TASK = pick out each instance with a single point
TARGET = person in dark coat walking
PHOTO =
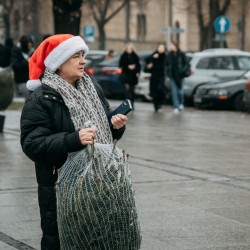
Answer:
(177, 69)
(5, 53)
(131, 68)
(48, 129)
(20, 57)
(155, 64)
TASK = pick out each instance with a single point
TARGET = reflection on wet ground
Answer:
(190, 173)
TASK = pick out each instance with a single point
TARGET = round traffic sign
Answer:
(222, 24)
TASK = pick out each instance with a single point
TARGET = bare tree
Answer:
(207, 32)
(102, 16)
(67, 16)
(242, 23)
(7, 8)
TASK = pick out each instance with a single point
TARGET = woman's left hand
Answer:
(118, 121)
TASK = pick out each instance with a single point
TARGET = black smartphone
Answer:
(123, 109)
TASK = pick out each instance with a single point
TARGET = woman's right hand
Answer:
(131, 66)
(150, 66)
(87, 136)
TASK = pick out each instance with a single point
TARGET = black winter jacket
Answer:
(47, 136)
(5, 56)
(129, 76)
(158, 73)
(177, 66)
(20, 66)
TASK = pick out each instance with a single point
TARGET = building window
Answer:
(141, 27)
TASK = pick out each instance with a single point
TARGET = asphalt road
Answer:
(190, 173)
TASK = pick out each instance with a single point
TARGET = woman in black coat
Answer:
(48, 133)
(19, 57)
(155, 64)
(5, 53)
(177, 69)
(131, 68)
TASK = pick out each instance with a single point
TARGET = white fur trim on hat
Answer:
(64, 51)
(32, 85)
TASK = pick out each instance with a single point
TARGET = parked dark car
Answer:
(92, 58)
(108, 75)
(225, 94)
(246, 96)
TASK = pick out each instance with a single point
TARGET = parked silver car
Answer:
(215, 65)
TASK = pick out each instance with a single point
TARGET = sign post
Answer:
(222, 25)
(170, 31)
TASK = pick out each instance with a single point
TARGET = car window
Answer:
(223, 62)
(203, 63)
(95, 58)
(243, 62)
(111, 63)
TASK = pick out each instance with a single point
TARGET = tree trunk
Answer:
(7, 8)
(67, 16)
(207, 32)
(127, 28)
(203, 38)
(102, 36)
(64, 23)
(241, 25)
(99, 10)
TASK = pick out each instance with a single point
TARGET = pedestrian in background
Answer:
(156, 65)
(130, 65)
(110, 54)
(19, 57)
(63, 99)
(5, 53)
(177, 69)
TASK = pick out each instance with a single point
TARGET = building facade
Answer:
(147, 21)
(28, 17)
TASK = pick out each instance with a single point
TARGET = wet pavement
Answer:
(190, 173)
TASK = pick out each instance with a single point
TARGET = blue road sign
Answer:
(222, 24)
(89, 33)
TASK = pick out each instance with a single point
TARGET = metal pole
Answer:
(169, 24)
(221, 40)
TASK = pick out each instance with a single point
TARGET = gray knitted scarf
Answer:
(83, 103)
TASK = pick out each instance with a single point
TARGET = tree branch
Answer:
(199, 14)
(115, 12)
(225, 7)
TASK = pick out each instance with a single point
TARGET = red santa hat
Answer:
(51, 54)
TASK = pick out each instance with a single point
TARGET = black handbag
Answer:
(185, 71)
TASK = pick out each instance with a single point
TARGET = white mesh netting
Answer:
(95, 201)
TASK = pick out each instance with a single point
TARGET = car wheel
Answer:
(238, 102)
